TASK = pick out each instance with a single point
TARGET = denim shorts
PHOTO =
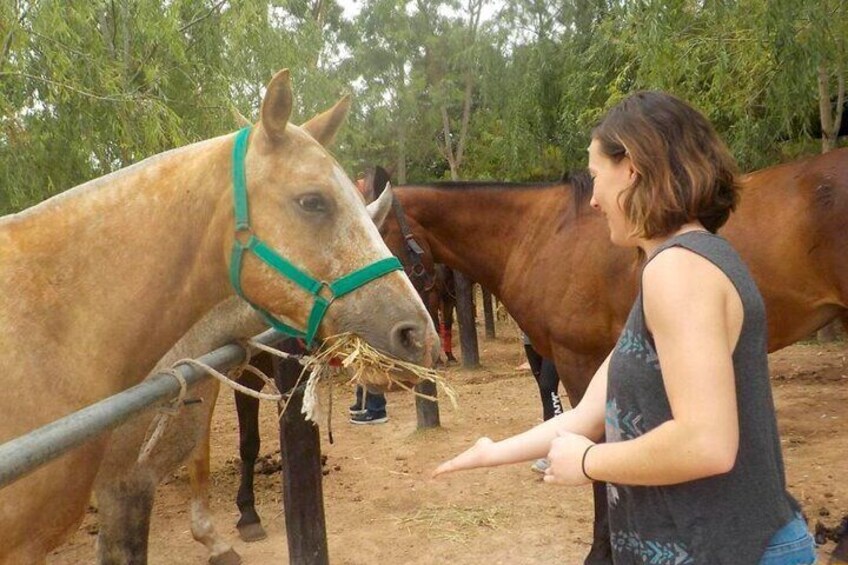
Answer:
(791, 545)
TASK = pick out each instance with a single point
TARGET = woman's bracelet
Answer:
(583, 463)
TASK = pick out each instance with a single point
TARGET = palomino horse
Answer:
(547, 256)
(165, 228)
(125, 487)
(434, 284)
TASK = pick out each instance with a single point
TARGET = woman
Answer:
(692, 459)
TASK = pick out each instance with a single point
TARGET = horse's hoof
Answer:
(229, 557)
(840, 555)
(252, 532)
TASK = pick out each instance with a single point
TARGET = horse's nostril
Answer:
(406, 339)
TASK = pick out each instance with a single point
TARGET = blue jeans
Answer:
(791, 545)
(374, 402)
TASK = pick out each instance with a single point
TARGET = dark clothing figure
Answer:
(369, 408)
(545, 373)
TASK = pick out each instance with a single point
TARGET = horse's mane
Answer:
(488, 185)
(579, 182)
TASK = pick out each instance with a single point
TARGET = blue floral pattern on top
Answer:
(632, 343)
(653, 552)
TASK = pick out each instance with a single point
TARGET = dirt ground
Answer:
(382, 507)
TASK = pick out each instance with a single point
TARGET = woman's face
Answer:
(611, 178)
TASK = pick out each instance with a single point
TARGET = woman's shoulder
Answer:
(677, 274)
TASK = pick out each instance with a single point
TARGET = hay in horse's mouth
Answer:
(369, 367)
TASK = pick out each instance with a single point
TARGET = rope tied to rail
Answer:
(343, 352)
(165, 413)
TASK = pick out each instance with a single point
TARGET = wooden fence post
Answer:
(465, 317)
(427, 411)
(303, 494)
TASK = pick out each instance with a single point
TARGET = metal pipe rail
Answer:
(27, 453)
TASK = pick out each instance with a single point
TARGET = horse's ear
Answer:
(324, 126)
(241, 121)
(379, 209)
(276, 106)
(381, 179)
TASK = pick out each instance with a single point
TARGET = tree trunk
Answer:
(401, 130)
(830, 125)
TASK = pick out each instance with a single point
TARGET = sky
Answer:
(490, 8)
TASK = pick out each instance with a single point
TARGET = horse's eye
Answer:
(312, 202)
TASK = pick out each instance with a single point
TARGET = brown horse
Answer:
(547, 256)
(433, 281)
(145, 252)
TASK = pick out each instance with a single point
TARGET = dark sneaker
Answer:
(367, 418)
(356, 409)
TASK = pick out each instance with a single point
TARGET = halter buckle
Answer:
(325, 286)
(243, 235)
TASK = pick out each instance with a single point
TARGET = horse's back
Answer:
(790, 227)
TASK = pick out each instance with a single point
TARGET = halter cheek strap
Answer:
(324, 293)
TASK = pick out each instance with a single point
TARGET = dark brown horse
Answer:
(547, 256)
(433, 281)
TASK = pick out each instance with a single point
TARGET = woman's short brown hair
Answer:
(684, 171)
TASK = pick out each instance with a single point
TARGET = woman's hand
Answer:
(566, 457)
(470, 459)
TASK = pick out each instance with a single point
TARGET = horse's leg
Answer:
(250, 524)
(448, 303)
(840, 535)
(202, 527)
(123, 510)
(601, 552)
(575, 373)
(840, 553)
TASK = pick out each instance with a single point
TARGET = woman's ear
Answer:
(633, 174)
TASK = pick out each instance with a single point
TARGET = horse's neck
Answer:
(231, 319)
(133, 259)
(483, 231)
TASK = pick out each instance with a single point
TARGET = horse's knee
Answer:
(124, 510)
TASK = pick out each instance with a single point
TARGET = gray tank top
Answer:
(725, 519)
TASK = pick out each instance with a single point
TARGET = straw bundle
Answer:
(367, 366)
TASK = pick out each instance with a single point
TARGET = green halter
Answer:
(335, 289)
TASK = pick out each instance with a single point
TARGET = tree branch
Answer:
(825, 109)
(199, 19)
(447, 133)
(466, 117)
(7, 41)
(74, 89)
(840, 102)
(840, 88)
